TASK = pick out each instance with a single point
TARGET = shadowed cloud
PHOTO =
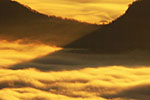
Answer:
(75, 59)
(32, 72)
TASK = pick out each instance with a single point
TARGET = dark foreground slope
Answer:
(129, 32)
(21, 22)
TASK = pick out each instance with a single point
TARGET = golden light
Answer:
(15, 52)
(77, 81)
(93, 11)
(103, 83)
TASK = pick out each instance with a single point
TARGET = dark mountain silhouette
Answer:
(21, 22)
(129, 32)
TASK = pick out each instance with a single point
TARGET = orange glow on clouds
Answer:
(15, 52)
(103, 83)
(93, 11)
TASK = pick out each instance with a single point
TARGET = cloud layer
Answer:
(93, 11)
(83, 83)
(16, 52)
(111, 83)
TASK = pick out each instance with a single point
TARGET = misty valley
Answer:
(45, 57)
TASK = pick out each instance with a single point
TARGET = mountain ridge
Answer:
(127, 33)
(18, 21)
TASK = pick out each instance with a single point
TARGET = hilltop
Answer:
(129, 32)
(20, 22)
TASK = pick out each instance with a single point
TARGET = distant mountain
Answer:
(21, 22)
(129, 32)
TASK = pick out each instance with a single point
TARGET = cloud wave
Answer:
(83, 83)
(16, 52)
(83, 10)
(111, 83)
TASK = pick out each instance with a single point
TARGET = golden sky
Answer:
(93, 11)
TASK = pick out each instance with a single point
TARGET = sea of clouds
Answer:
(68, 75)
